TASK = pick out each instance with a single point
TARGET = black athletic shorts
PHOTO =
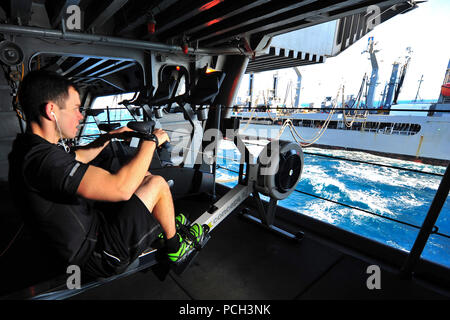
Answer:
(126, 230)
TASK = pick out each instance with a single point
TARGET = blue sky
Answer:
(424, 29)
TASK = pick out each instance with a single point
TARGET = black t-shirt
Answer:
(44, 180)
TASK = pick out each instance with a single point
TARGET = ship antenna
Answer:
(420, 83)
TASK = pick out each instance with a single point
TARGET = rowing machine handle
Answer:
(142, 127)
(147, 127)
(166, 145)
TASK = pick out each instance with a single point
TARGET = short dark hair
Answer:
(38, 88)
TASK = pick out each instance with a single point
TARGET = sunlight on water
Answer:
(402, 195)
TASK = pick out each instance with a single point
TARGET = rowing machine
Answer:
(274, 173)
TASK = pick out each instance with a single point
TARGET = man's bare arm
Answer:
(99, 184)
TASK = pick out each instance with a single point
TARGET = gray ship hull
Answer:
(383, 134)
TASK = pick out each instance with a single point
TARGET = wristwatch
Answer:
(152, 137)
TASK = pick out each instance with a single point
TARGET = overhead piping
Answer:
(112, 41)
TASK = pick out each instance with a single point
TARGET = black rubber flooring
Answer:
(243, 261)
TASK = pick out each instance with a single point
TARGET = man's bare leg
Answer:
(155, 193)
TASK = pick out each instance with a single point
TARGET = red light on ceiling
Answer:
(210, 23)
(151, 27)
(210, 5)
(178, 68)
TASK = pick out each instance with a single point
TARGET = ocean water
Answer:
(402, 195)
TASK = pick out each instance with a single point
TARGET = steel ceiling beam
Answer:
(258, 15)
(112, 65)
(225, 10)
(136, 16)
(199, 8)
(125, 66)
(106, 12)
(110, 83)
(276, 60)
(297, 18)
(345, 12)
(279, 64)
(276, 67)
(75, 66)
(92, 66)
(20, 10)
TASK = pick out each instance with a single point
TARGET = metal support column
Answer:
(212, 123)
(250, 91)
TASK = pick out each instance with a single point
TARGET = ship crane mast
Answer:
(418, 89)
(402, 74)
(374, 76)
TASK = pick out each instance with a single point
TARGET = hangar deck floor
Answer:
(244, 261)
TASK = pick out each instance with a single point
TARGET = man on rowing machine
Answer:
(89, 217)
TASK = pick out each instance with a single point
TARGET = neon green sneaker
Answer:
(198, 232)
(188, 243)
(180, 221)
(183, 251)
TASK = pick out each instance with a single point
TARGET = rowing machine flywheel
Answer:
(280, 168)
